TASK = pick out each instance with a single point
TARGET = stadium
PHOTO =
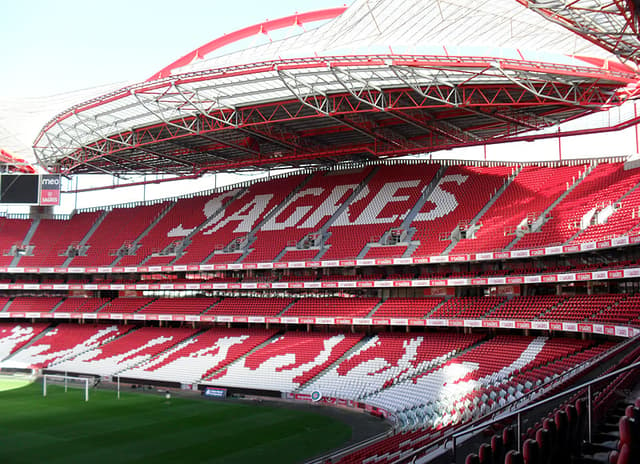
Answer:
(380, 290)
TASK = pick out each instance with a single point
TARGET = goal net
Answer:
(66, 381)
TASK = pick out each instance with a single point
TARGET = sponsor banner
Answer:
(523, 325)
(402, 261)
(599, 275)
(571, 248)
(349, 263)
(211, 392)
(332, 263)
(569, 326)
(417, 322)
(473, 323)
(619, 241)
(436, 322)
(361, 321)
(455, 322)
(566, 277)
(57, 315)
(139, 317)
(540, 325)
(256, 319)
(479, 281)
(207, 318)
(439, 259)
(603, 244)
(366, 262)
(250, 266)
(306, 320)
(177, 317)
(555, 325)
(555, 250)
(549, 278)
(116, 316)
(224, 318)
(587, 246)
(395, 321)
(421, 260)
(384, 262)
(583, 276)
(325, 320)
(635, 272)
(289, 320)
(364, 283)
(532, 279)
(385, 283)
(378, 321)
(402, 283)
(520, 254)
(272, 320)
(330, 284)
(615, 274)
(598, 329)
(163, 317)
(634, 239)
(5, 315)
(622, 331)
(507, 324)
(459, 282)
(587, 328)
(50, 185)
(240, 319)
(609, 330)
(537, 252)
(502, 255)
(490, 323)
(346, 321)
(89, 316)
(497, 280)
(458, 258)
(515, 280)
(265, 265)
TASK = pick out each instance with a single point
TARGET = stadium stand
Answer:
(306, 212)
(53, 238)
(449, 206)
(12, 234)
(14, 335)
(239, 218)
(287, 362)
(380, 206)
(62, 342)
(250, 306)
(120, 227)
(198, 357)
(126, 351)
(333, 307)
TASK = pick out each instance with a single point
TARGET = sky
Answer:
(51, 47)
(54, 47)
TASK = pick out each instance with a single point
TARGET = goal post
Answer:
(67, 380)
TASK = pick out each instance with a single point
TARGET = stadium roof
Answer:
(379, 79)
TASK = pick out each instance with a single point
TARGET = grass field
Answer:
(147, 428)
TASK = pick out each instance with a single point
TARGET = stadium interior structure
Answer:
(442, 295)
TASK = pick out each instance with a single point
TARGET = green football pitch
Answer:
(148, 428)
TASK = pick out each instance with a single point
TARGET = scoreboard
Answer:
(30, 189)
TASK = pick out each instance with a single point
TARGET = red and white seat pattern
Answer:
(35, 304)
(459, 196)
(250, 306)
(125, 352)
(469, 306)
(287, 362)
(381, 205)
(201, 355)
(238, 218)
(125, 305)
(81, 305)
(181, 220)
(332, 307)
(187, 305)
(12, 232)
(119, 226)
(604, 185)
(579, 308)
(386, 359)
(304, 213)
(53, 237)
(527, 196)
(434, 398)
(14, 335)
(63, 342)
(406, 307)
